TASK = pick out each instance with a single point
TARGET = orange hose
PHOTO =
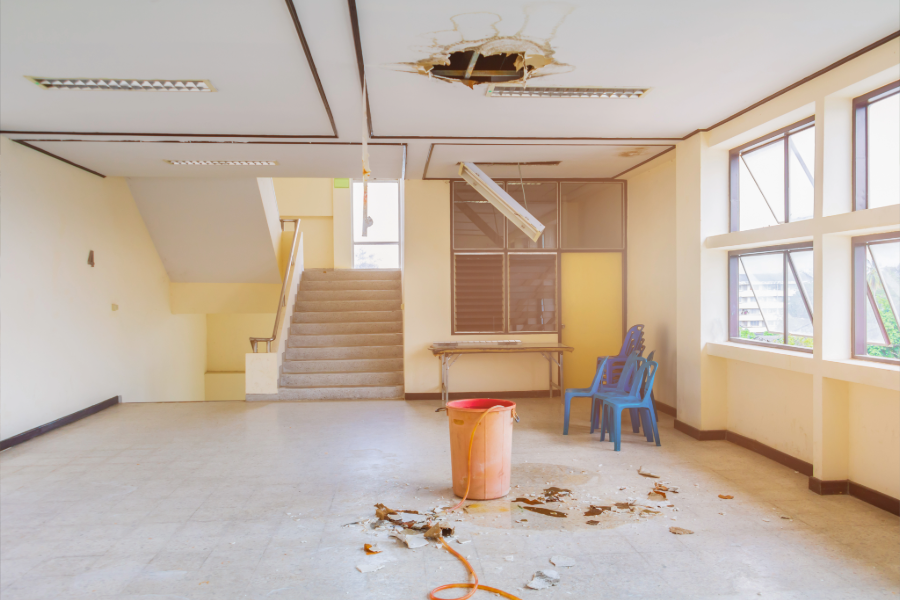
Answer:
(475, 586)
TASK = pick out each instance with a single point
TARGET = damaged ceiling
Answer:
(427, 67)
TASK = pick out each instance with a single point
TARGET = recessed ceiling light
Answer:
(522, 91)
(226, 163)
(125, 85)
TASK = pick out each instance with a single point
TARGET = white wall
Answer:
(652, 268)
(63, 348)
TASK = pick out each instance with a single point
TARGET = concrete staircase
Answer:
(346, 339)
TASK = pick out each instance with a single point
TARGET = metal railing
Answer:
(285, 290)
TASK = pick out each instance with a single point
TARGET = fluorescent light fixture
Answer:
(502, 201)
(226, 163)
(499, 90)
(124, 85)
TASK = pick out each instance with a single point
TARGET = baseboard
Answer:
(801, 466)
(498, 395)
(829, 487)
(704, 435)
(75, 416)
(875, 498)
(665, 408)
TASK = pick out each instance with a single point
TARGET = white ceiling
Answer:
(702, 60)
(208, 230)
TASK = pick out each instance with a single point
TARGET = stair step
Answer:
(349, 274)
(343, 341)
(346, 305)
(352, 365)
(349, 284)
(316, 380)
(360, 316)
(351, 352)
(346, 328)
(304, 295)
(366, 392)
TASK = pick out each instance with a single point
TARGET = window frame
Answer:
(558, 251)
(734, 160)
(734, 295)
(353, 224)
(860, 299)
(860, 168)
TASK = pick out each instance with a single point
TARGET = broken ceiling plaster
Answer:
(480, 32)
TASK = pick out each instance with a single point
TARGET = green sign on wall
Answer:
(341, 183)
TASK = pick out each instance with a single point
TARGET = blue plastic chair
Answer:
(621, 387)
(633, 343)
(583, 393)
(641, 401)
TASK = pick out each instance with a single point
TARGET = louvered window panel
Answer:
(478, 293)
(532, 292)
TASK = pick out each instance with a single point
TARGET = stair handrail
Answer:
(282, 299)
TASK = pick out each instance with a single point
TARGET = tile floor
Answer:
(233, 500)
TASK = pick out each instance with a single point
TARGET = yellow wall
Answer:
(63, 348)
(426, 298)
(318, 242)
(875, 438)
(223, 298)
(228, 339)
(651, 266)
(303, 197)
(772, 406)
(591, 312)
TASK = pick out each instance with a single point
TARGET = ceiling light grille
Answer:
(226, 163)
(521, 91)
(125, 85)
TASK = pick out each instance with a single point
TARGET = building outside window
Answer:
(876, 297)
(760, 312)
(876, 148)
(772, 178)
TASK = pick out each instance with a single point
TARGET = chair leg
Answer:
(655, 425)
(635, 420)
(593, 414)
(645, 423)
(604, 423)
(617, 428)
(568, 402)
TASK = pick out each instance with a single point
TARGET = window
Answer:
(503, 282)
(876, 297)
(876, 148)
(772, 179)
(760, 312)
(380, 247)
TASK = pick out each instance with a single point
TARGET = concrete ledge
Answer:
(777, 358)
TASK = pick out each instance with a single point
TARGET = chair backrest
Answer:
(650, 367)
(634, 337)
(645, 382)
(598, 376)
(627, 378)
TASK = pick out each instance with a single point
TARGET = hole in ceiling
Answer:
(472, 67)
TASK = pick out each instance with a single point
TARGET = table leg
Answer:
(550, 373)
(560, 374)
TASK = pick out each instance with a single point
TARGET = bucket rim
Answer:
(481, 405)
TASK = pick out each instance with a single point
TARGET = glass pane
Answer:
(540, 200)
(765, 273)
(476, 223)
(384, 210)
(381, 256)
(532, 292)
(876, 286)
(592, 216)
(803, 264)
(755, 212)
(750, 319)
(887, 258)
(883, 135)
(801, 162)
(766, 169)
(873, 329)
(800, 327)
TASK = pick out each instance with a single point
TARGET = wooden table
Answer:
(450, 353)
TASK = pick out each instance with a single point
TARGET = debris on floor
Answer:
(680, 531)
(641, 471)
(726, 497)
(546, 511)
(562, 561)
(543, 580)
(367, 568)
(371, 549)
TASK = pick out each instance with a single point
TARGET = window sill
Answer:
(866, 372)
(778, 358)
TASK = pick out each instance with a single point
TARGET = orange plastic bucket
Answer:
(491, 447)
